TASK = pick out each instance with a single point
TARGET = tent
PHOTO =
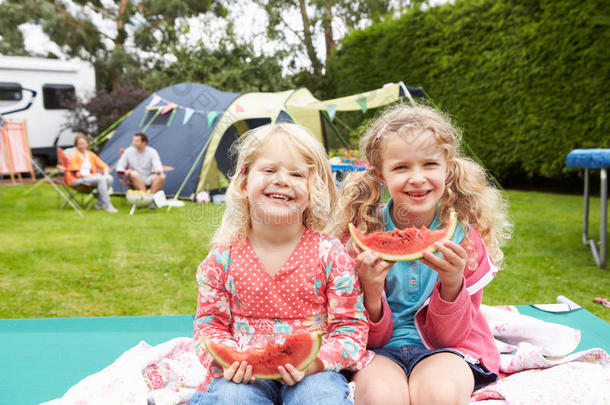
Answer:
(193, 125)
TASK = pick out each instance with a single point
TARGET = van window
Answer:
(10, 91)
(57, 96)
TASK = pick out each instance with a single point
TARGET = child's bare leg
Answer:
(381, 382)
(442, 378)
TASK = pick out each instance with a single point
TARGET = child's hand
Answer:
(450, 267)
(240, 373)
(372, 272)
(291, 375)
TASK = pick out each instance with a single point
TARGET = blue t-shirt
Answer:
(408, 285)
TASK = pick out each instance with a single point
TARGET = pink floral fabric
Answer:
(316, 289)
(166, 374)
(538, 366)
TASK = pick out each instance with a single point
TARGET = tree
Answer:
(104, 108)
(131, 30)
(229, 67)
(319, 17)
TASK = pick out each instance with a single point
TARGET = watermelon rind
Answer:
(210, 347)
(316, 343)
(451, 227)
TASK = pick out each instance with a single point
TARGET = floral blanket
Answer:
(537, 367)
(165, 374)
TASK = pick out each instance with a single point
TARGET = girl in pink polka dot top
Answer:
(272, 273)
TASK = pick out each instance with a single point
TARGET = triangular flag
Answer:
(188, 113)
(238, 108)
(362, 103)
(168, 107)
(154, 100)
(211, 117)
(331, 110)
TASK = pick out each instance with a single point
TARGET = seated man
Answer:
(142, 165)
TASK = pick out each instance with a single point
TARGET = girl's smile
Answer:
(279, 196)
(418, 195)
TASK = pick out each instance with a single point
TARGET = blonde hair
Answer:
(468, 190)
(323, 193)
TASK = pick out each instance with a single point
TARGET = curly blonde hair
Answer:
(323, 195)
(468, 190)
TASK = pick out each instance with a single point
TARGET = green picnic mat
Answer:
(595, 332)
(42, 358)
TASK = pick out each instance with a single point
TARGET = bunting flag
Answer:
(238, 108)
(211, 117)
(154, 100)
(331, 110)
(188, 113)
(362, 103)
(168, 107)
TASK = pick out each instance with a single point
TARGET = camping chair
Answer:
(82, 195)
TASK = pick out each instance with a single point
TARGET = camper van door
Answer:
(53, 82)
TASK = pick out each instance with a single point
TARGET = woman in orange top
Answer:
(83, 168)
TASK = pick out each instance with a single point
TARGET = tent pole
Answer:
(205, 147)
(335, 130)
(348, 127)
(101, 137)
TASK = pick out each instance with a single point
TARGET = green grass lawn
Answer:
(54, 263)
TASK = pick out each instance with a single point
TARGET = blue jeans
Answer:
(325, 388)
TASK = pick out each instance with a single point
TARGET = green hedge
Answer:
(526, 80)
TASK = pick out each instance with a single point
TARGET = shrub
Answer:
(526, 80)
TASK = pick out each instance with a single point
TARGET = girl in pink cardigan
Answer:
(433, 345)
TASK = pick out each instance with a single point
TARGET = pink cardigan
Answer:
(458, 325)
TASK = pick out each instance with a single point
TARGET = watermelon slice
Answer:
(408, 244)
(298, 349)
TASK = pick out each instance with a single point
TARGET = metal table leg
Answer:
(585, 225)
(598, 254)
(603, 217)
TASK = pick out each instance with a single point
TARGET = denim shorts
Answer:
(408, 356)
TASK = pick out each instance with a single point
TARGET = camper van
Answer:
(38, 90)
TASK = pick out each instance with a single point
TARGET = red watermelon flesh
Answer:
(298, 349)
(408, 244)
